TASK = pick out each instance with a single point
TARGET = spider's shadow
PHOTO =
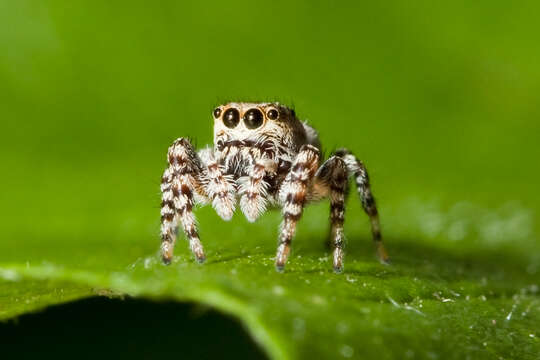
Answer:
(426, 261)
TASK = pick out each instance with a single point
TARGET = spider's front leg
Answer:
(292, 196)
(332, 179)
(178, 185)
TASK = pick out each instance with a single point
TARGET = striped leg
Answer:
(179, 182)
(292, 195)
(253, 191)
(357, 168)
(220, 188)
(333, 176)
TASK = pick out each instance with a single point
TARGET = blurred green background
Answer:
(440, 100)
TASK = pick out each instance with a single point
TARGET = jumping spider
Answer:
(263, 156)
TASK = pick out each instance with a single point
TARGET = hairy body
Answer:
(262, 156)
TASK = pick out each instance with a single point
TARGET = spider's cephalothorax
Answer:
(263, 156)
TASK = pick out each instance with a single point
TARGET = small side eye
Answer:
(217, 112)
(231, 118)
(272, 114)
(253, 118)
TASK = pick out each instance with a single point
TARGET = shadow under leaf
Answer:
(100, 327)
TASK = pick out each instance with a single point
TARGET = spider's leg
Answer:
(292, 196)
(332, 178)
(254, 190)
(178, 185)
(358, 170)
(219, 187)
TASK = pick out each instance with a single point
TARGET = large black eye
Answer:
(253, 118)
(231, 117)
(272, 114)
(217, 112)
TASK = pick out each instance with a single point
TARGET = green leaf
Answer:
(30, 295)
(432, 300)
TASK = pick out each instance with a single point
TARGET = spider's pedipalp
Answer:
(220, 188)
(358, 170)
(253, 190)
(179, 183)
(292, 196)
(333, 176)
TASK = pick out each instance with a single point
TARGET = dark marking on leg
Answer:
(177, 186)
(357, 168)
(292, 195)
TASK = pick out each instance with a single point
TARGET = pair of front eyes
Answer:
(253, 118)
